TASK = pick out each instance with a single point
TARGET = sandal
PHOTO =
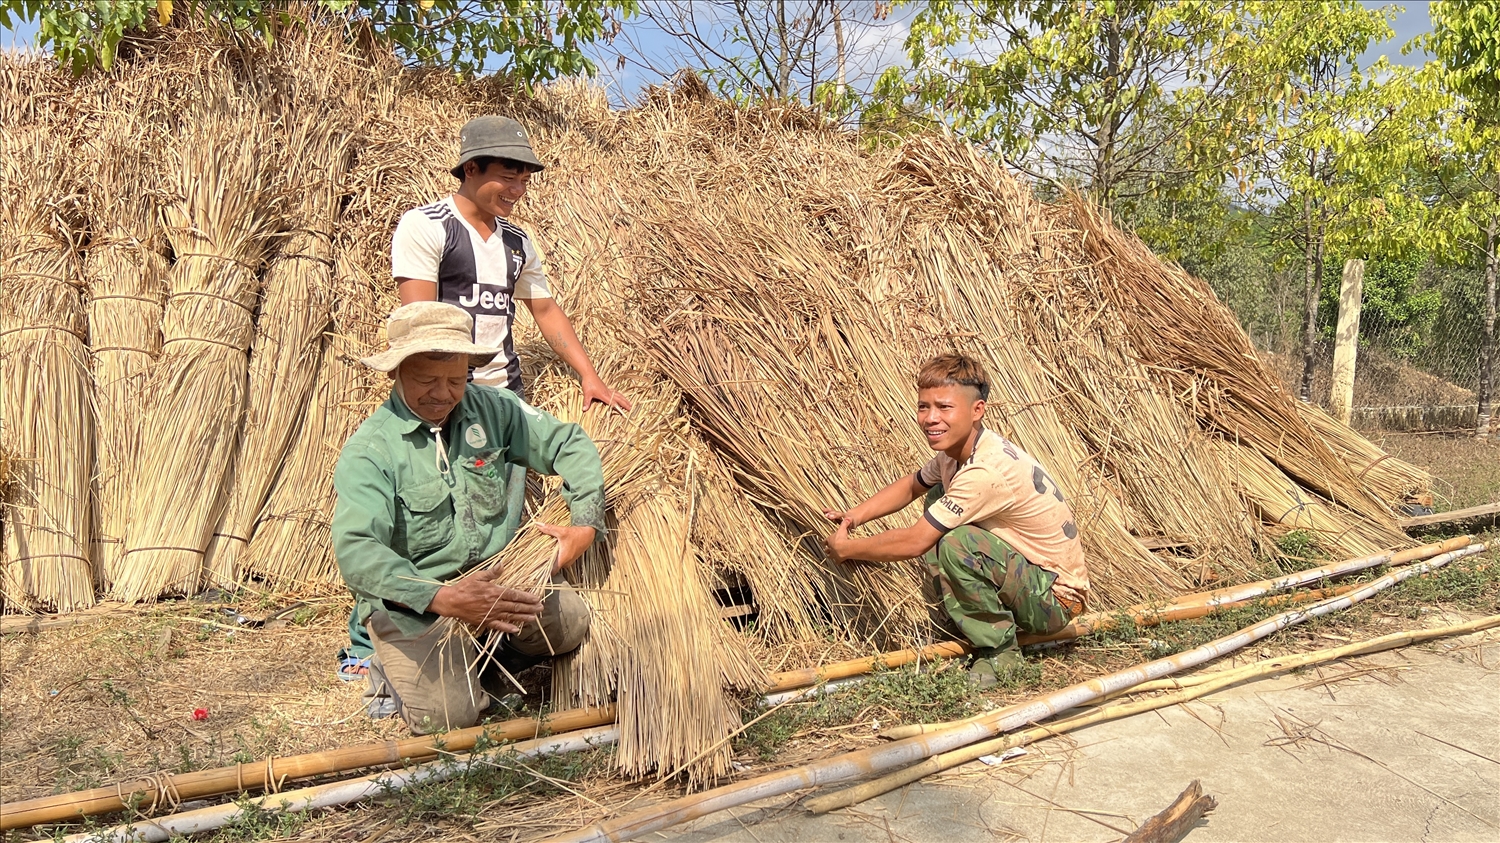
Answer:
(353, 669)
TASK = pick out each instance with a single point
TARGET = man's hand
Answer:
(837, 516)
(478, 602)
(596, 392)
(838, 540)
(571, 543)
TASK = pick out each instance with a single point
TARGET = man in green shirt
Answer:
(422, 500)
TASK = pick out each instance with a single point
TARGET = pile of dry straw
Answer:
(195, 255)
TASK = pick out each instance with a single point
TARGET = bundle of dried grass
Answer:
(291, 540)
(1175, 324)
(126, 270)
(296, 310)
(46, 410)
(223, 212)
(1281, 501)
(1395, 481)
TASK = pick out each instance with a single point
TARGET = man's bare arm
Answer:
(895, 497)
(559, 334)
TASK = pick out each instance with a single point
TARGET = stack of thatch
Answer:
(764, 286)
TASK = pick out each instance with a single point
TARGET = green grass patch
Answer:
(480, 783)
(904, 695)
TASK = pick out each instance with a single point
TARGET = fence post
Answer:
(1487, 348)
(1346, 344)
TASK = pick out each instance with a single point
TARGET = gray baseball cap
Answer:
(495, 137)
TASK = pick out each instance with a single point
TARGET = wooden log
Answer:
(1173, 824)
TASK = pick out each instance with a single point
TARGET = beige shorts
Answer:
(434, 676)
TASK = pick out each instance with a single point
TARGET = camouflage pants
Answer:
(987, 589)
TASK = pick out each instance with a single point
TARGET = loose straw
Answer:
(901, 753)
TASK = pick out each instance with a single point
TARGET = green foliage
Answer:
(1466, 39)
(482, 782)
(538, 40)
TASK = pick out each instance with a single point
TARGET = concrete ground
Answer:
(1406, 748)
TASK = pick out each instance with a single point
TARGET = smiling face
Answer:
(433, 384)
(947, 416)
(495, 189)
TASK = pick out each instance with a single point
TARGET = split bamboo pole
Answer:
(1200, 686)
(341, 793)
(901, 753)
(1096, 621)
(163, 787)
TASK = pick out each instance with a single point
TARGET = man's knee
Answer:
(961, 547)
(563, 625)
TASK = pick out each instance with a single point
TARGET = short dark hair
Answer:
(955, 370)
(484, 162)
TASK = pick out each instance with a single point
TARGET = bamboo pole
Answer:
(1096, 621)
(153, 790)
(341, 793)
(901, 753)
(253, 776)
(1189, 688)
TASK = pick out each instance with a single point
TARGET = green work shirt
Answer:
(402, 526)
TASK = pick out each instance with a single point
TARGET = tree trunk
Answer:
(1313, 270)
(838, 41)
(1487, 349)
(783, 58)
(1103, 186)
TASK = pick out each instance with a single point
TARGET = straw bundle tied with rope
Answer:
(295, 312)
(46, 410)
(126, 273)
(219, 222)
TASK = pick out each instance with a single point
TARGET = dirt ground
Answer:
(186, 685)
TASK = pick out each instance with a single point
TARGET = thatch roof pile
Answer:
(763, 285)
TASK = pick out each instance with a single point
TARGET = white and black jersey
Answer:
(482, 276)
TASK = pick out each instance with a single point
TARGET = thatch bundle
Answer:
(762, 285)
(46, 405)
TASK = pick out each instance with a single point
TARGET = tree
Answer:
(1123, 99)
(1466, 39)
(536, 40)
(757, 50)
(1332, 152)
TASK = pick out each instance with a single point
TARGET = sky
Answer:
(651, 53)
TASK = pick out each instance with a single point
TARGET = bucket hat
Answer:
(428, 327)
(496, 137)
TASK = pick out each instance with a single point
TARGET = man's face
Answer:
(433, 385)
(947, 415)
(497, 189)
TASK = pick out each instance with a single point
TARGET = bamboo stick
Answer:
(342, 793)
(1234, 594)
(1189, 688)
(256, 775)
(910, 750)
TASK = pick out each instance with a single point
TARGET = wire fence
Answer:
(1420, 339)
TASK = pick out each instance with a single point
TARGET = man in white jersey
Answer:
(464, 251)
(998, 541)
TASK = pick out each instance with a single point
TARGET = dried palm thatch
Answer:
(126, 270)
(46, 410)
(223, 212)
